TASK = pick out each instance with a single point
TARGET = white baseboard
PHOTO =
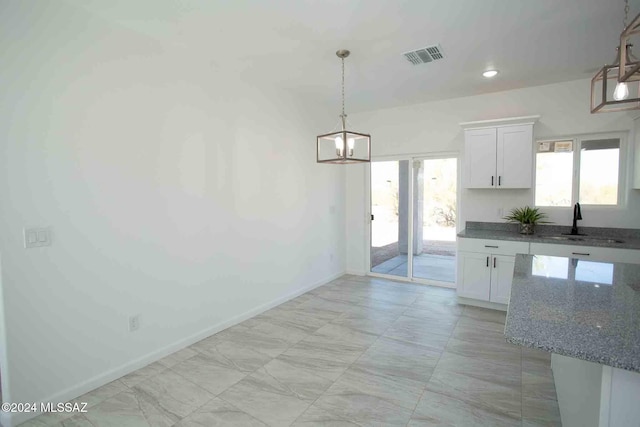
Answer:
(13, 419)
(356, 272)
(482, 304)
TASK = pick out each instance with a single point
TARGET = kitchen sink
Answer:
(578, 238)
(563, 238)
(604, 240)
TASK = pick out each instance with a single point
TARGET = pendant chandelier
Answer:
(344, 146)
(616, 87)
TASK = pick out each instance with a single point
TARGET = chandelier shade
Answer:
(609, 94)
(629, 69)
(343, 146)
(616, 87)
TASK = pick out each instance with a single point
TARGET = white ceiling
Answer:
(292, 43)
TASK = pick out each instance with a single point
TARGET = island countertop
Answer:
(583, 309)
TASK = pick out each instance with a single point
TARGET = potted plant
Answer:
(527, 217)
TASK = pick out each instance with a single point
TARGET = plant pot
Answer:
(526, 228)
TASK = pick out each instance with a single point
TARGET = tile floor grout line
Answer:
(381, 335)
(521, 393)
(244, 412)
(434, 368)
(338, 378)
(247, 374)
(186, 379)
(351, 365)
(262, 366)
(287, 349)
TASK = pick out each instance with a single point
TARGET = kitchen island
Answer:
(587, 314)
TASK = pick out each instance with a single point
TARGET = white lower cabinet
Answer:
(485, 268)
(474, 275)
(485, 277)
(501, 278)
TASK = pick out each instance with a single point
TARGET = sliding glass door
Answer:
(413, 223)
(434, 210)
(388, 231)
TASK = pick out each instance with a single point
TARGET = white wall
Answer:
(434, 127)
(174, 191)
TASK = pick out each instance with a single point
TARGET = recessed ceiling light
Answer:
(490, 73)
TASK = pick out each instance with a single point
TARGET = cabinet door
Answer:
(474, 275)
(501, 278)
(480, 158)
(514, 161)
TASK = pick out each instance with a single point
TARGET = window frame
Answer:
(577, 141)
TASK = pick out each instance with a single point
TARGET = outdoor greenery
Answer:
(526, 215)
(445, 216)
(440, 192)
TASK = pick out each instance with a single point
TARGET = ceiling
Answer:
(291, 44)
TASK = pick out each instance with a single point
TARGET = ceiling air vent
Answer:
(424, 55)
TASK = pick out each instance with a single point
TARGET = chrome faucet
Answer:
(577, 215)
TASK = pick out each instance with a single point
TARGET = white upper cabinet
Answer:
(480, 158)
(499, 156)
(514, 160)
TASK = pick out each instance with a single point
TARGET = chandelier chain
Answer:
(626, 12)
(343, 87)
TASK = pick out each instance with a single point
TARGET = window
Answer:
(554, 173)
(599, 171)
(585, 170)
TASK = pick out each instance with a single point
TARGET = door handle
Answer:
(487, 261)
(492, 180)
(494, 262)
(499, 179)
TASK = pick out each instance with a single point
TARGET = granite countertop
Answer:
(583, 309)
(593, 236)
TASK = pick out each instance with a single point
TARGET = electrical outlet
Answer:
(134, 323)
(37, 237)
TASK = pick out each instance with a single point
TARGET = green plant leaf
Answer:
(526, 215)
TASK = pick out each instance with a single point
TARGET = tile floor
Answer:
(357, 351)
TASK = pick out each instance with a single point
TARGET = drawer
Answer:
(595, 253)
(496, 247)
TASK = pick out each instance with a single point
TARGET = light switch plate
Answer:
(37, 237)
(134, 323)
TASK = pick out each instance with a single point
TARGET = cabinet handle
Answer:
(491, 246)
(580, 253)
(499, 179)
(487, 261)
(494, 262)
(492, 180)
